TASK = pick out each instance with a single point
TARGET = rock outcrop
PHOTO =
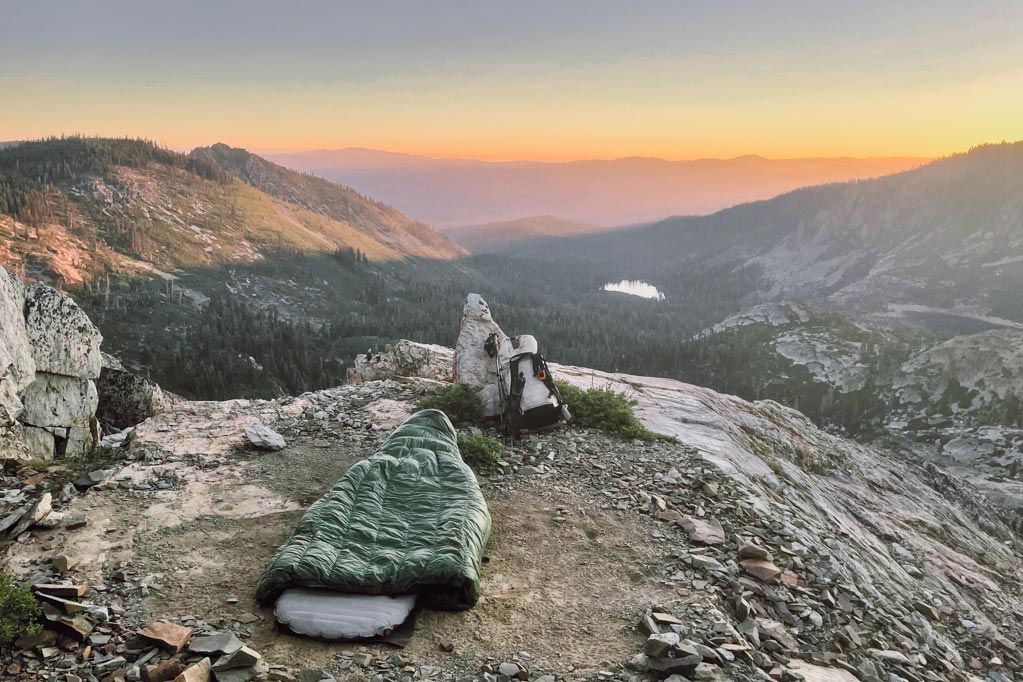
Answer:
(49, 360)
(403, 359)
(473, 366)
(126, 399)
(17, 368)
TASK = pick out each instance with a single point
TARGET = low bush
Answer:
(606, 409)
(479, 451)
(460, 403)
(19, 611)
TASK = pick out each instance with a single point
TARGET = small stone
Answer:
(705, 562)
(660, 645)
(198, 672)
(509, 669)
(669, 515)
(110, 665)
(706, 532)
(62, 563)
(706, 672)
(37, 512)
(76, 520)
(751, 551)
(762, 570)
(246, 618)
(217, 642)
(927, 610)
(243, 657)
(168, 635)
(62, 591)
(264, 438)
(162, 671)
(362, 660)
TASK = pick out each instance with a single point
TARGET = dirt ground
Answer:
(567, 590)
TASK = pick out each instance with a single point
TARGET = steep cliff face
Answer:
(49, 361)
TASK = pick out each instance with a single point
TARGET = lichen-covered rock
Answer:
(55, 400)
(473, 365)
(126, 399)
(38, 443)
(403, 359)
(79, 440)
(16, 364)
(62, 337)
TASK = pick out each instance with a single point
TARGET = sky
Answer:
(550, 80)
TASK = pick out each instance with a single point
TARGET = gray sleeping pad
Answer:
(336, 615)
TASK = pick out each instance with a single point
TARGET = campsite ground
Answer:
(567, 576)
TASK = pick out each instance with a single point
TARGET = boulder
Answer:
(264, 438)
(17, 367)
(61, 401)
(703, 531)
(38, 443)
(168, 635)
(78, 440)
(473, 366)
(126, 399)
(62, 337)
(403, 359)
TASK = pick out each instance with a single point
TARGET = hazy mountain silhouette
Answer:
(453, 192)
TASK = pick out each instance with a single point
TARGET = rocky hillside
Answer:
(938, 244)
(343, 204)
(75, 209)
(756, 546)
(752, 544)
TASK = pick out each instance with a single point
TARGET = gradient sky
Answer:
(523, 79)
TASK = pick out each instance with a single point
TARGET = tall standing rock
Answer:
(473, 366)
(17, 368)
(49, 357)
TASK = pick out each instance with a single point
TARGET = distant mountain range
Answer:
(457, 192)
(75, 208)
(945, 239)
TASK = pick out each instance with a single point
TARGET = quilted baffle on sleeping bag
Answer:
(411, 518)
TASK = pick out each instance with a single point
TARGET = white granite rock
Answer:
(264, 438)
(62, 337)
(16, 364)
(55, 400)
(473, 366)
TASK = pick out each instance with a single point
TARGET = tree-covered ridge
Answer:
(332, 200)
(74, 210)
(29, 169)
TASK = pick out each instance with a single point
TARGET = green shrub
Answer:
(460, 403)
(19, 611)
(606, 409)
(479, 451)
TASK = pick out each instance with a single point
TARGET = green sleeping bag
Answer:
(411, 518)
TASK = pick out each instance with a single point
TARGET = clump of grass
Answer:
(479, 451)
(19, 611)
(608, 410)
(460, 403)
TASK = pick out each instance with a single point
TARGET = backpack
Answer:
(530, 399)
